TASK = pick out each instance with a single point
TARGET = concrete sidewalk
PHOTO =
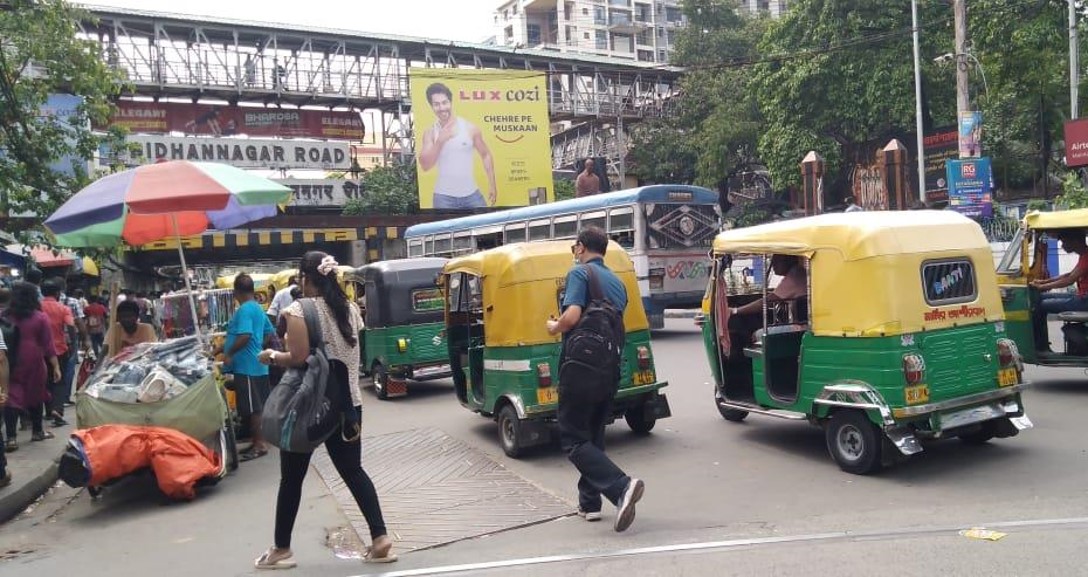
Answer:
(33, 469)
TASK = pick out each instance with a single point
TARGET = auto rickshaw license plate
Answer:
(547, 396)
(1007, 377)
(644, 378)
(916, 394)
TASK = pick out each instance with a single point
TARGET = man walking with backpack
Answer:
(589, 373)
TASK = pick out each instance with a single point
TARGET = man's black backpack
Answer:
(10, 331)
(596, 342)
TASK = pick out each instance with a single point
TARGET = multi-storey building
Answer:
(641, 30)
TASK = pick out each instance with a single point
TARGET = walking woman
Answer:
(27, 391)
(340, 326)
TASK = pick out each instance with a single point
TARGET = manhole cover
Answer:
(435, 489)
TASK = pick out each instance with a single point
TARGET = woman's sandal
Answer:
(380, 552)
(275, 559)
(253, 454)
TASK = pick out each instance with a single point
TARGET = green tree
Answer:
(387, 190)
(714, 124)
(41, 55)
(564, 189)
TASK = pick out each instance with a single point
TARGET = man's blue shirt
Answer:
(250, 320)
(577, 291)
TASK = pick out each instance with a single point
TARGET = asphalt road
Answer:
(760, 497)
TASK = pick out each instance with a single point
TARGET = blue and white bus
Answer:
(666, 229)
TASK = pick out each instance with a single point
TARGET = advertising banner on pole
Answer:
(939, 147)
(481, 138)
(970, 186)
(224, 120)
(240, 152)
(970, 134)
(1076, 143)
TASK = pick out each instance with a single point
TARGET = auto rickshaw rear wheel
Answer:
(380, 376)
(854, 442)
(638, 420)
(510, 431)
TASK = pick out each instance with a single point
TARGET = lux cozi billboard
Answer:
(481, 138)
(225, 120)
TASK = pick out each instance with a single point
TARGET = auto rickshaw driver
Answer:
(1073, 241)
(745, 320)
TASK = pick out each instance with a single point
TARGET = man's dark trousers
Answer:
(585, 406)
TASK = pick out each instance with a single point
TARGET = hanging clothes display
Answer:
(214, 308)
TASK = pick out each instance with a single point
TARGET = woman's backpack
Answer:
(299, 414)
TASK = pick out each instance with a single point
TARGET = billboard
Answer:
(224, 120)
(970, 182)
(939, 147)
(1076, 143)
(481, 137)
(241, 152)
(321, 192)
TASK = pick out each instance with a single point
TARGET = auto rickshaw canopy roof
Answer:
(1076, 218)
(402, 291)
(521, 286)
(857, 235)
(870, 273)
(260, 281)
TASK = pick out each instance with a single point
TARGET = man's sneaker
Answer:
(589, 515)
(626, 513)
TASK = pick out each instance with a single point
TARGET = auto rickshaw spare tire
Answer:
(638, 420)
(728, 413)
(510, 434)
(986, 431)
(854, 442)
(380, 376)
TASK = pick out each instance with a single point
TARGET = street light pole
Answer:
(1074, 62)
(918, 125)
(963, 98)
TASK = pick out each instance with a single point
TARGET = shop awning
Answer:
(47, 258)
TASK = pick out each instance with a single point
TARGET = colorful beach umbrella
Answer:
(158, 201)
(165, 200)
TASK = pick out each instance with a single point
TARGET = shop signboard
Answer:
(141, 117)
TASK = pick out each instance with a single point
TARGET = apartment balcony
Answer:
(626, 25)
(540, 5)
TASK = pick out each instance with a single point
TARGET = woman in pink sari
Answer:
(27, 390)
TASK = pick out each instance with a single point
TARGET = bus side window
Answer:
(624, 239)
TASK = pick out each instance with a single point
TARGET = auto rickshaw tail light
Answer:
(643, 358)
(1008, 354)
(914, 369)
(544, 374)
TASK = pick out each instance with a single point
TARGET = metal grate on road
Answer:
(435, 490)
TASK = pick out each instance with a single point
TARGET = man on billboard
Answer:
(451, 145)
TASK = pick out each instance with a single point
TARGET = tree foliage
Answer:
(387, 190)
(40, 55)
(564, 189)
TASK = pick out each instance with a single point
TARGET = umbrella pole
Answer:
(185, 274)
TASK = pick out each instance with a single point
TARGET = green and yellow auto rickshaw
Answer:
(900, 336)
(1029, 258)
(403, 318)
(506, 365)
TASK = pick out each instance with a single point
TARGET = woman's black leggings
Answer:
(347, 457)
(12, 415)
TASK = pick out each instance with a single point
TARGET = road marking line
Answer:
(708, 545)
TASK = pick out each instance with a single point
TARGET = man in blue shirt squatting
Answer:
(247, 334)
(585, 396)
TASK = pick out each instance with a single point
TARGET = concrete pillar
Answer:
(812, 183)
(896, 174)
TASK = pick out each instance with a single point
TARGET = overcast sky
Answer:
(464, 20)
